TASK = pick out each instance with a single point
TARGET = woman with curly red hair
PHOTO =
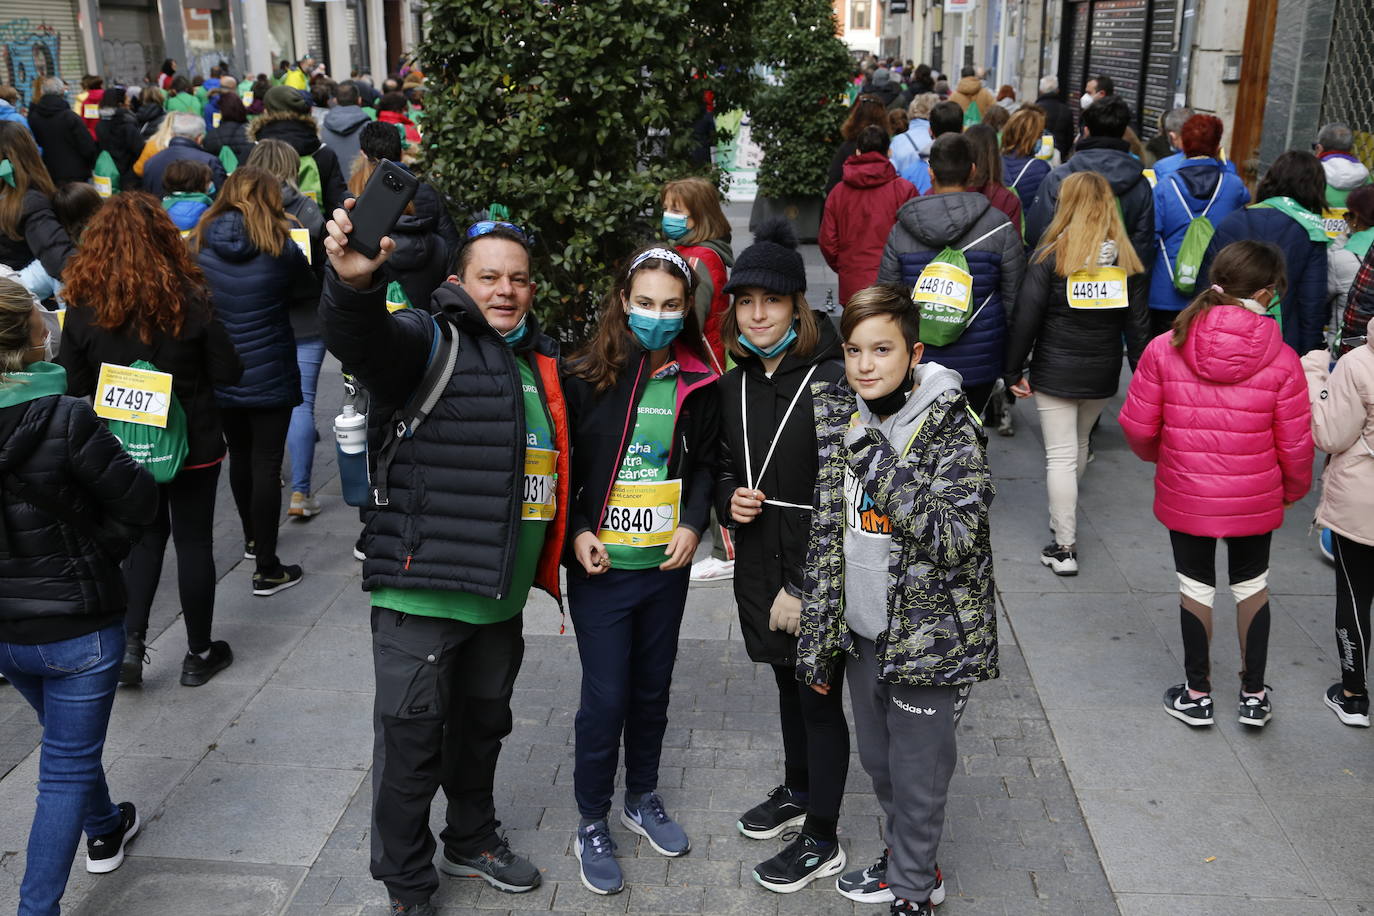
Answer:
(135, 293)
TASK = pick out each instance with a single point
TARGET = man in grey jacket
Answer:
(343, 126)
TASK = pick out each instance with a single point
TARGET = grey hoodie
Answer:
(867, 536)
(342, 132)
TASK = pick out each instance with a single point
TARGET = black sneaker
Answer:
(799, 863)
(498, 866)
(196, 670)
(135, 655)
(412, 909)
(1255, 711)
(869, 885)
(1178, 704)
(911, 908)
(770, 818)
(1063, 561)
(265, 584)
(1352, 711)
(250, 550)
(105, 853)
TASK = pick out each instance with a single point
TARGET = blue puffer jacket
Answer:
(1195, 181)
(1023, 174)
(1304, 302)
(925, 227)
(253, 294)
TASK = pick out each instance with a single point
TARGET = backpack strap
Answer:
(443, 356)
(986, 235)
(1019, 175)
(1221, 178)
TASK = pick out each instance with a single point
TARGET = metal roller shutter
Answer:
(40, 22)
(130, 43)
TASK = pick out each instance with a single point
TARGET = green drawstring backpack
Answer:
(944, 294)
(229, 159)
(105, 175)
(160, 450)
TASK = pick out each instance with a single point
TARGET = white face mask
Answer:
(1085, 100)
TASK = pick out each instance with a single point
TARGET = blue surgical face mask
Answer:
(781, 345)
(655, 330)
(517, 334)
(674, 224)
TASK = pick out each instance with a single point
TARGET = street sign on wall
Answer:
(897, 7)
(958, 6)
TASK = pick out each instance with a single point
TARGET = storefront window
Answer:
(209, 39)
(281, 40)
(859, 14)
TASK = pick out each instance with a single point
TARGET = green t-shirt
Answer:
(185, 102)
(637, 528)
(536, 513)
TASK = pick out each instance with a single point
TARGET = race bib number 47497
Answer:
(133, 395)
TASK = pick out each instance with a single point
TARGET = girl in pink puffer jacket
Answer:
(1220, 406)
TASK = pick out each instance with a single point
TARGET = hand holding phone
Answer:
(385, 197)
(353, 267)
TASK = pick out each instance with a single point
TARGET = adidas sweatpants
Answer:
(906, 733)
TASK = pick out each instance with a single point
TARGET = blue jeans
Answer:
(627, 623)
(71, 685)
(301, 436)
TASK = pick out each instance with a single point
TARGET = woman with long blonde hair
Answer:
(1084, 289)
(256, 276)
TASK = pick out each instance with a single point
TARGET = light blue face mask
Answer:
(655, 330)
(786, 341)
(674, 225)
(517, 334)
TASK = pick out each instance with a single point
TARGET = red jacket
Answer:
(1226, 420)
(720, 300)
(859, 215)
(396, 117)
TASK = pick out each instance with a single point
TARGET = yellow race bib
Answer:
(944, 284)
(1333, 221)
(103, 186)
(1103, 288)
(541, 467)
(642, 513)
(133, 395)
(1150, 176)
(1046, 149)
(90, 111)
(302, 239)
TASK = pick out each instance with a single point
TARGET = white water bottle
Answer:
(350, 431)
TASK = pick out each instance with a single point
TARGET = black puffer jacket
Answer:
(55, 582)
(1077, 352)
(430, 203)
(420, 261)
(233, 134)
(302, 134)
(601, 424)
(69, 151)
(772, 547)
(201, 358)
(40, 236)
(455, 488)
(117, 133)
(149, 118)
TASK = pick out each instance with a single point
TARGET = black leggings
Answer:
(186, 512)
(257, 443)
(815, 743)
(1246, 558)
(1354, 593)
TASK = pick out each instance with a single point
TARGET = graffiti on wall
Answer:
(201, 61)
(126, 62)
(31, 51)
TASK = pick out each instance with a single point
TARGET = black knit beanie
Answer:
(772, 262)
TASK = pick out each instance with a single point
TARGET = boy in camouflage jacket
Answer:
(914, 486)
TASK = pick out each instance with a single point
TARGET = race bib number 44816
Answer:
(133, 395)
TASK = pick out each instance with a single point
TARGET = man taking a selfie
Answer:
(467, 515)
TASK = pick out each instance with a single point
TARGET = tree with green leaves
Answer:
(573, 115)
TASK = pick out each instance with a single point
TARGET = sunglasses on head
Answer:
(488, 226)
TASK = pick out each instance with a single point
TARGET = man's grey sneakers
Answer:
(1184, 708)
(869, 885)
(498, 866)
(646, 817)
(1353, 711)
(596, 859)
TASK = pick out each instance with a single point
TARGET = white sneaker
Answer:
(712, 570)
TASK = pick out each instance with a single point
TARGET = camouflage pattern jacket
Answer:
(942, 621)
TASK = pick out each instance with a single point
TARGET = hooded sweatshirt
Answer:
(342, 132)
(868, 535)
(859, 215)
(971, 91)
(1344, 173)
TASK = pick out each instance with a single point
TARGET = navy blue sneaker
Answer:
(596, 859)
(649, 820)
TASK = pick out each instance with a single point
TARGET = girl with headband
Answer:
(643, 414)
(765, 481)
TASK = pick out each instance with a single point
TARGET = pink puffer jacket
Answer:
(1225, 418)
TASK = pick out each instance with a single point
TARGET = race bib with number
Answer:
(1333, 221)
(133, 395)
(642, 514)
(1151, 176)
(215, 119)
(1103, 288)
(541, 466)
(103, 186)
(247, 98)
(944, 284)
(302, 239)
(91, 112)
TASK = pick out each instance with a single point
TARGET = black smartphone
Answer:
(388, 192)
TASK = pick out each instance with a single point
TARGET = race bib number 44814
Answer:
(133, 395)
(1104, 288)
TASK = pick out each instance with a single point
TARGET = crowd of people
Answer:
(177, 263)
